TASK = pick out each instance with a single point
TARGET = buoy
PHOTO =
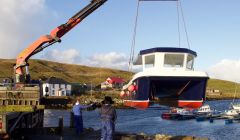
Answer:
(128, 93)
(122, 94)
(211, 120)
(228, 121)
(131, 88)
(200, 118)
(136, 87)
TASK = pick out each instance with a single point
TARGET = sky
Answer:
(104, 38)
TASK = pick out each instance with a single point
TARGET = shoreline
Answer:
(98, 97)
(90, 133)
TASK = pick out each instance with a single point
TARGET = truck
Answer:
(20, 105)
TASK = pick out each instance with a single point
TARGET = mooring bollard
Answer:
(228, 121)
(71, 120)
(60, 125)
(211, 120)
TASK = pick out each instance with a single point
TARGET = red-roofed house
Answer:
(112, 82)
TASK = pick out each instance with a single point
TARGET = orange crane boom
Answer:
(47, 40)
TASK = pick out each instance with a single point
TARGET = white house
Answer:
(56, 87)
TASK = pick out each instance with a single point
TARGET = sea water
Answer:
(149, 121)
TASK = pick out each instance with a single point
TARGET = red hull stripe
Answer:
(190, 104)
(145, 104)
(137, 103)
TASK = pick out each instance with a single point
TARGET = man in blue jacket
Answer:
(77, 111)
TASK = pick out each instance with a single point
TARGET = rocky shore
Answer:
(87, 99)
(90, 134)
(142, 136)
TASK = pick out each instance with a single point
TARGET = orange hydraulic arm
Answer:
(47, 40)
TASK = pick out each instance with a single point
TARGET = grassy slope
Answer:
(69, 72)
(224, 86)
(227, 88)
(83, 74)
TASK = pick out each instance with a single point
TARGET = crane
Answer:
(48, 40)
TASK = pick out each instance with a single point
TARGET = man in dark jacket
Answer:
(77, 112)
(108, 118)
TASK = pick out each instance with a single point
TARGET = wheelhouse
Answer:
(165, 58)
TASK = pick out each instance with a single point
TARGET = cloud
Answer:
(70, 56)
(110, 60)
(21, 23)
(226, 69)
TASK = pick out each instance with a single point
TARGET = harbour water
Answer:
(149, 121)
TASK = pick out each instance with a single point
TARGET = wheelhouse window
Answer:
(190, 61)
(149, 61)
(173, 60)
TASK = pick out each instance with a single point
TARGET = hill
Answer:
(69, 72)
(227, 89)
(222, 85)
(84, 74)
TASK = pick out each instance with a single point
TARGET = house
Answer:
(213, 92)
(112, 82)
(56, 87)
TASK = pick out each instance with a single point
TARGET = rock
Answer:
(89, 129)
(129, 137)
(201, 138)
(143, 134)
(162, 137)
(182, 138)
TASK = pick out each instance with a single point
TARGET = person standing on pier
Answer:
(108, 117)
(77, 112)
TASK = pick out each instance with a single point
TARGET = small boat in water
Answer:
(236, 106)
(205, 109)
(172, 114)
(205, 112)
(168, 78)
(178, 114)
(231, 113)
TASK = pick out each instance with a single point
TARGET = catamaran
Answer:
(167, 78)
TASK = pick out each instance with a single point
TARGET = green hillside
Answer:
(227, 89)
(69, 72)
(224, 86)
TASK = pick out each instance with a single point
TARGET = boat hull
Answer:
(171, 91)
(141, 104)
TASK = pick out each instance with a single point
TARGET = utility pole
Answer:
(91, 88)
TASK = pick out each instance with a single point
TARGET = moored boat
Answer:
(205, 112)
(236, 106)
(168, 78)
(231, 113)
(204, 109)
(178, 114)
